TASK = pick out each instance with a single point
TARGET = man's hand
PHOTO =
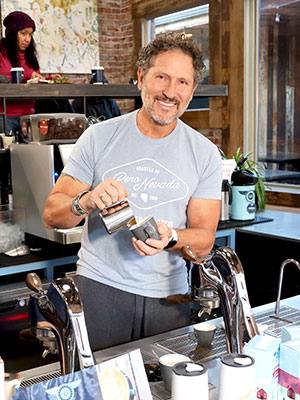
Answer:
(105, 194)
(153, 246)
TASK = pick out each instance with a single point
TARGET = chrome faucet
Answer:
(57, 319)
(283, 264)
(222, 273)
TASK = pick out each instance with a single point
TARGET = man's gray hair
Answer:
(172, 41)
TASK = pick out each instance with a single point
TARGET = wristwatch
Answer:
(173, 239)
(76, 207)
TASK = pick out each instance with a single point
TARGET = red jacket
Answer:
(17, 108)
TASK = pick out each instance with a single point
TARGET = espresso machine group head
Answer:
(219, 280)
(57, 319)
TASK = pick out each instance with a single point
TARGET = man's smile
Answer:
(166, 104)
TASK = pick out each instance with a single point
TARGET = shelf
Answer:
(38, 91)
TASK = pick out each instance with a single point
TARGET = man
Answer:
(166, 170)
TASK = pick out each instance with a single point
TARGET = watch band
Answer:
(173, 239)
(75, 205)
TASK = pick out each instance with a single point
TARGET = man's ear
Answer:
(140, 76)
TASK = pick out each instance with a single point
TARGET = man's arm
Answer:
(203, 216)
(58, 212)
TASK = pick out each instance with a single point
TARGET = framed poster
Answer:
(66, 33)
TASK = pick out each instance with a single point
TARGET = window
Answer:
(279, 90)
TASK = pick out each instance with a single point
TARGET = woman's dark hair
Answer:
(9, 45)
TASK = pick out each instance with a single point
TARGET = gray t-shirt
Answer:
(161, 176)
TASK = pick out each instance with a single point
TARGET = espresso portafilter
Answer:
(201, 290)
(57, 320)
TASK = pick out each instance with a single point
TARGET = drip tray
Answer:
(187, 344)
(42, 378)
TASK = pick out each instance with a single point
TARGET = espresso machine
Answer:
(36, 165)
(217, 280)
(57, 320)
(35, 168)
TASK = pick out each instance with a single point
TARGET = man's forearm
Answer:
(200, 240)
(58, 212)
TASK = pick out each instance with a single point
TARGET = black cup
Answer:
(147, 228)
(17, 74)
(98, 75)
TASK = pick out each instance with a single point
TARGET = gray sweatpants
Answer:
(114, 316)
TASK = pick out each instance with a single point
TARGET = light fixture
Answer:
(185, 36)
(277, 16)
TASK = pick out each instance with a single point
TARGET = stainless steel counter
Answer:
(284, 225)
(152, 349)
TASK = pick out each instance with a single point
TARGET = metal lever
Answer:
(34, 283)
(189, 254)
(288, 261)
(71, 297)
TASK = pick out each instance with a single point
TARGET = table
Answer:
(271, 175)
(226, 231)
(282, 159)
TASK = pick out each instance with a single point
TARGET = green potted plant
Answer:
(260, 191)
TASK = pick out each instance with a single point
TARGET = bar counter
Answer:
(151, 350)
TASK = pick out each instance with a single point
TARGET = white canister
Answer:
(189, 381)
(237, 377)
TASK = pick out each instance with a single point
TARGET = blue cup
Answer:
(17, 74)
(98, 75)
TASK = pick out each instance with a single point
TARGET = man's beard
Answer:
(159, 120)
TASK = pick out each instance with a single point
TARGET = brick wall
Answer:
(116, 43)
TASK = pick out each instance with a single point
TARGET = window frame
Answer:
(251, 56)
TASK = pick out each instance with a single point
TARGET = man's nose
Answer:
(170, 90)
